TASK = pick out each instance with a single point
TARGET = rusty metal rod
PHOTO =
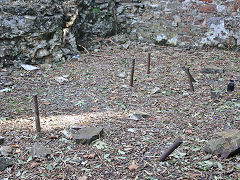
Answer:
(36, 113)
(148, 63)
(132, 73)
(171, 149)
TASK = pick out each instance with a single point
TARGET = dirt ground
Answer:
(95, 95)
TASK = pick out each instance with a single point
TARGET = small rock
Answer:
(61, 79)
(212, 70)
(5, 90)
(87, 135)
(125, 86)
(122, 75)
(39, 151)
(226, 143)
(126, 45)
(67, 134)
(46, 66)
(5, 162)
(161, 39)
(5, 150)
(96, 50)
(76, 127)
(66, 76)
(207, 157)
(186, 93)
(138, 116)
(1, 140)
(131, 130)
(10, 83)
(29, 67)
(155, 90)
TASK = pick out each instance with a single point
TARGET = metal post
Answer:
(132, 73)
(148, 63)
(36, 113)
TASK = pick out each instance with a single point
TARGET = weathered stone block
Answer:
(226, 143)
(5, 162)
(87, 135)
(39, 151)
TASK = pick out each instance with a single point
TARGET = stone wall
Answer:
(30, 32)
(44, 31)
(186, 23)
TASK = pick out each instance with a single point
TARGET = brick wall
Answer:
(182, 22)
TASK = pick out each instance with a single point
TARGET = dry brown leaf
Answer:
(15, 146)
(94, 109)
(193, 175)
(112, 98)
(133, 167)
(46, 103)
(83, 178)
(89, 156)
(149, 79)
(34, 164)
(189, 131)
(18, 150)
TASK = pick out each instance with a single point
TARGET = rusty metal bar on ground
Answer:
(36, 113)
(171, 149)
(132, 73)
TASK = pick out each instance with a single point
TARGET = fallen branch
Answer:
(84, 49)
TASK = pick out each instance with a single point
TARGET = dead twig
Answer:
(84, 49)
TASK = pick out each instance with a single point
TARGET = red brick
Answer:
(169, 16)
(185, 39)
(207, 1)
(236, 6)
(199, 21)
(190, 18)
(208, 8)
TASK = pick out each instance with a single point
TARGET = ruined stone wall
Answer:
(45, 31)
(186, 23)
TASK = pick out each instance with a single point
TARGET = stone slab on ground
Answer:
(212, 70)
(87, 135)
(156, 90)
(226, 143)
(138, 116)
(39, 151)
(5, 162)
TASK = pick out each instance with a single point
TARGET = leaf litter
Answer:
(95, 95)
